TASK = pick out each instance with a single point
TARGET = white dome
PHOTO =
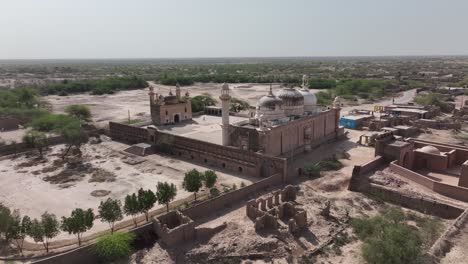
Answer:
(310, 101)
(430, 150)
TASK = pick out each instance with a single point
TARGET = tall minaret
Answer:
(225, 102)
(177, 91)
(151, 95)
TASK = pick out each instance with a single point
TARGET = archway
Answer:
(176, 118)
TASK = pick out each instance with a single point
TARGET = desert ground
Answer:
(34, 186)
(239, 240)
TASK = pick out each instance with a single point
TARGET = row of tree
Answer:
(15, 228)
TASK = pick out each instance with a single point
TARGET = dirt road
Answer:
(406, 97)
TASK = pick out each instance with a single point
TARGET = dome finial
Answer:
(271, 90)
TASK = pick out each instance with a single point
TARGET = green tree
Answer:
(18, 230)
(210, 178)
(199, 102)
(82, 112)
(74, 136)
(132, 207)
(165, 193)
(193, 181)
(113, 247)
(146, 201)
(5, 220)
(238, 105)
(79, 222)
(110, 211)
(37, 140)
(36, 232)
(44, 230)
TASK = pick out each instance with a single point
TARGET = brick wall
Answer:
(213, 205)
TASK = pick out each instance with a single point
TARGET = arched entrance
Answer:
(176, 118)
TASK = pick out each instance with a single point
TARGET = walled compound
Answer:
(273, 211)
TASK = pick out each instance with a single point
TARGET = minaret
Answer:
(177, 91)
(151, 95)
(225, 102)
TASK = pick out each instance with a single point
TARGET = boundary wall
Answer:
(444, 243)
(456, 192)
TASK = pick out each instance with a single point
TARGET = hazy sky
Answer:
(32, 29)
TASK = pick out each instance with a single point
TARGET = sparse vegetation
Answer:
(314, 170)
(82, 112)
(389, 239)
(113, 247)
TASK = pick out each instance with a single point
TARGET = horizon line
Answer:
(235, 57)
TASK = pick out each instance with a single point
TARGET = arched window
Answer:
(167, 112)
(240, 169)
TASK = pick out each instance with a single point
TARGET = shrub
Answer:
(388, 239)
(116, 246)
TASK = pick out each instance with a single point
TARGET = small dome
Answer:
(430, 150)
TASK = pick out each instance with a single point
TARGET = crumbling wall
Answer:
(443, 245)
(416, 202)
(358, 181)
(205, 208)
(456, 192)
(174, 228)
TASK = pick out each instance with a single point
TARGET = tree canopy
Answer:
(193, 181)
(79, 222)
(110, 211)
(165, 193)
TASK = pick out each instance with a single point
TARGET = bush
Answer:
(200, 101)
(388, 239)
(114, 246)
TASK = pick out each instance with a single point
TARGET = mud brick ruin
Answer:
(174, 227)
(279, 205)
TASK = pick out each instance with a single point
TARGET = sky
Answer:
(67, 29)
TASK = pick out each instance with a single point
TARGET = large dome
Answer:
(310, 101)
(269, 101)
(269, 107)
(293, 101)
(290, 94)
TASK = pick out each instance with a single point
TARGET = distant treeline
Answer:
(103, 86)
(226, 78)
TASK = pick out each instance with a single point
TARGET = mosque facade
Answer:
(287, 123)
(170, 109)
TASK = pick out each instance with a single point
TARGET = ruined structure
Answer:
(174, 228)
(170, 109)
(277, 211)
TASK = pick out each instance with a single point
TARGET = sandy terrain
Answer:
(116, 107)
(37, 187)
